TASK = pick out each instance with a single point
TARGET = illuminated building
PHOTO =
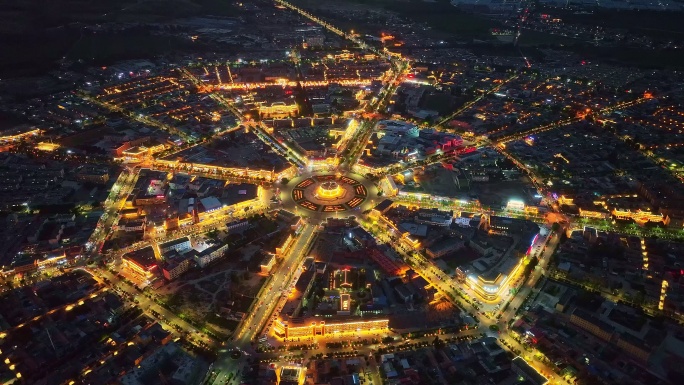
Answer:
(196, 168)
(278, 110)
(267, 262)
(135, 154)
(563, 200)
(46, 146)
(285, 247)
(141, 263)
(233, 198)
(28, 262)
(305, 84)
(330, 190)
(515, 205)
(592, 214)
(411, 241)
(323, 163)
(387, 184)
(345, 304)
(344, 55)
(491, 285)
(488, 289)
(129, 213)
(19, 134)
(317, 327)
(663, 295)
(640, 217)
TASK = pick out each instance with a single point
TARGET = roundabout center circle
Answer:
(329, 193)
(330, 190)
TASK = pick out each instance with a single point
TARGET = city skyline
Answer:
(354, 192)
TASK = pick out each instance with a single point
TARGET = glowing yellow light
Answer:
(46, 146)
(329, 190)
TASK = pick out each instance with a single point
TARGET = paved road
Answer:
(527, 287)
(449, 289)
(114, 202)
(148, 305)
(282, 278)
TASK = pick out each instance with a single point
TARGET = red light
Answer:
(410, 76)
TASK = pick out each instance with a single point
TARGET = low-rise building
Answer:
(141, 263)
(180, 245)
(236, 225)
(522, 368)
(443, 247)
(592, 324)
(267, 262)
(176, 266)
(434, 217)
(634, 346)
(129, 225)
(210, 254)
(97, 175)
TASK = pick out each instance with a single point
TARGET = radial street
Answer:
(445, 285)
(281, 279)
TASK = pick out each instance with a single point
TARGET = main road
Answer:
(229, 362)
(450, 290)
(117, 198)
(158, 312)
(526, 288)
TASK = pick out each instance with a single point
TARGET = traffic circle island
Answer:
(329, 193)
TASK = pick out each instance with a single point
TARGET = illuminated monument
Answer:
(329, 193)
(330, 190)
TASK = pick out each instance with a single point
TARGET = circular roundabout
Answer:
(330, 193)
